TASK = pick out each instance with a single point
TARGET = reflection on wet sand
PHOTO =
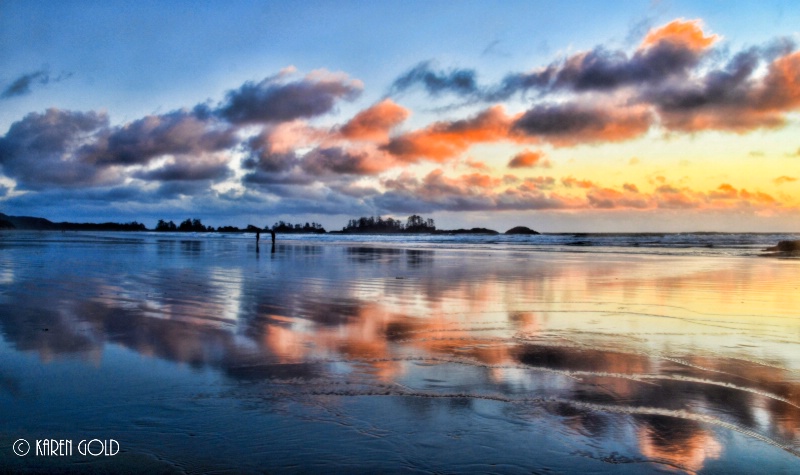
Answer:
(681, 352)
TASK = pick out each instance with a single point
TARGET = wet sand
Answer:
(196, 353)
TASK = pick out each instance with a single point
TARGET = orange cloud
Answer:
(477, 165)
(571, 181)
(724, 192)
(685, 33)
(784, 179)
(757, 196)
(608, 198)
(481, 192)
(480, 180)
(444, 140)
(538, 183)
(376, 122)
(529, 159)
(780, 90)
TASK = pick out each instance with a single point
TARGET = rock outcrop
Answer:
(521, 230)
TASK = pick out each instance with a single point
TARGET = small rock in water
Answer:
(785, 246)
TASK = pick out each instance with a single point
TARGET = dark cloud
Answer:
(271, 101)
(262, 179)
(723, 86)
(606, 70)
(571, 123)
(735, 97)
(175, 133)
(261, 156)
(180, 188)
(22, 85)
(187, 170)
(596, 70)
(458, 81)
(40, 150)
(336, 160)
(59, 199)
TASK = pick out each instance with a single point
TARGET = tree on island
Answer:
(187, 225)
(416, 224)
(369, 224)
(283, 227)
(165, 226)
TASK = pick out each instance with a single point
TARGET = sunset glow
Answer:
(668, 118)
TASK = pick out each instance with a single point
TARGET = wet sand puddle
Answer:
(206, 356)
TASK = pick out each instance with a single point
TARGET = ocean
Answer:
(555, 353)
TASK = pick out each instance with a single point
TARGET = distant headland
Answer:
(414, 224)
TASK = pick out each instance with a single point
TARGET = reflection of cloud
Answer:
(680, 443)
(338, 315)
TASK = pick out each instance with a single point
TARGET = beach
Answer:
(204, 352)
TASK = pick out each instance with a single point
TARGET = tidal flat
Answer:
(203, 353)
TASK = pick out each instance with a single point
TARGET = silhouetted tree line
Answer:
(132, 226)
(187, 225)
(282, 227)
(195, 225)
(369, 224)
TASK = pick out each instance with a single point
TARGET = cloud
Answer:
(40, 150)
(608, 198)
(188, 169)
(733, 98)
(337, 160)
(724, 192)
(529, 159)
(678, 78)
(572, 124)
(472, 192)
(273, 101)
(667, 52)
(571, 182)
(22, 85)
(375, 123)
(262, 154)
(681, 33)
(264, 179)
(538, 183)
(176, 133)
(442, 141)
(458, 81)
(784, 179)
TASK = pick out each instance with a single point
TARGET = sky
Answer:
(663, 116)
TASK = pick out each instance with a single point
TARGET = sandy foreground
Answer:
(199, 354)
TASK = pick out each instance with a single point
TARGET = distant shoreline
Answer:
(30, 223)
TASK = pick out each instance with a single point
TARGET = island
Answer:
(521, 230)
